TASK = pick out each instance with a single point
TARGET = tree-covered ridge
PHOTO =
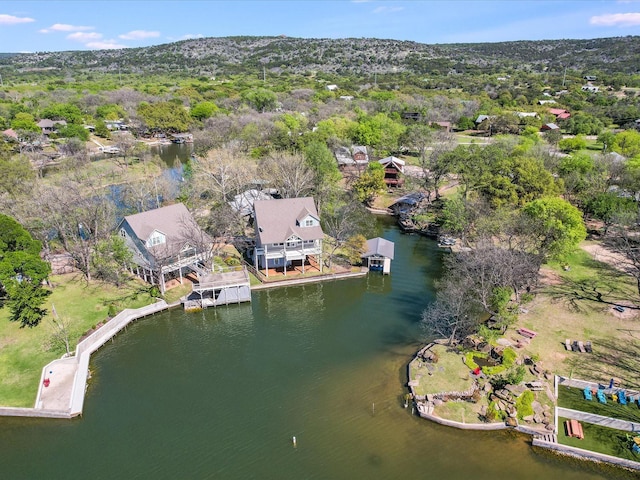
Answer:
(351, 55)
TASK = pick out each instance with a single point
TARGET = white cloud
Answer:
(106, 45)
(616, 19)
(387, 9)
(65, 27)
(190, 36)
(139, 35)
(84, 37)
(13, 20)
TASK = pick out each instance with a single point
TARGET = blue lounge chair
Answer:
(587, 394)
(601, 397)
(622, 398)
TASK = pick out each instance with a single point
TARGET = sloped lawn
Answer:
(599, 439)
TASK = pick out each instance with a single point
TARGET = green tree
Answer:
(22, 272)
(164, 116)
(102, 130)
(25, 121)
(326, 174)
(568, 145)
(627, 143)
(111, 259)
(261, 99)
(203, 110)
(74, 131)
(380, 132)
(16, 175)
(612, 209)
(370, 184)
(559, 227)
(63, 111)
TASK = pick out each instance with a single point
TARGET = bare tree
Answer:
(222, 174)
(288, 173)
(343, 222)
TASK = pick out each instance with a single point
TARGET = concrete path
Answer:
(57, 396)
(624, 425)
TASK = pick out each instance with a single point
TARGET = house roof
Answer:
(278, 220)
(481, 118)
(10, 132)
(380, 247)
(243, 202)
(174, 221)
(564, 116)
(557, 111)
(550, 126)
(399, 164)
(47, 123)
(413, 198)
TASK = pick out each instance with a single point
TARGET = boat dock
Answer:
(220, 287)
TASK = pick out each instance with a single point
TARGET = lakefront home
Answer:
(288, 236)
(166, 243)
(393, 169)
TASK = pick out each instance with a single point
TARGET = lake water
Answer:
(220, 394)
(173, 154)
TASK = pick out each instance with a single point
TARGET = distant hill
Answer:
(210, 56)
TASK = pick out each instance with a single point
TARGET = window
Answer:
(308, 222)
(123, 234)
(155, 239)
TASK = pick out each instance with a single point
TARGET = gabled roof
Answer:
(174, 221)
(10, 132)
(557, 111)
(381, 247)
(399, 164)
(277, 220)
(550, 126)
(564, 116)
(481, 118)
(47, 123)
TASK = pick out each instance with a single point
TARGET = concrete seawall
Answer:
(64, 397)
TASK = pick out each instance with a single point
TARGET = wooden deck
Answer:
(310, 266)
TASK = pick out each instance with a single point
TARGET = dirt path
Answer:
(600, 253)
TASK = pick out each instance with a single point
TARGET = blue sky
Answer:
(46, 25)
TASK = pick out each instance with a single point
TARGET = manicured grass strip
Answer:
(573, 398)
(600, 439)
(25, 351)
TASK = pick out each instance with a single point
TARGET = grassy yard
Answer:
(577, 304)
(573, 398)
(447, 375)
(25, 351)
(599, 439)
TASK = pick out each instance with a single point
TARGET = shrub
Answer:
(112, 311)
(154, 291)
(232, 261)
(508, 357)
(523, 404)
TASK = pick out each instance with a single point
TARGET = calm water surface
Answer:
(220, 394)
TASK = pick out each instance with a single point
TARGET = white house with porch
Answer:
(288, 235)
(166, 243)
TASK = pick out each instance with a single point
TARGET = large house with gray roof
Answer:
(165, 242)
(288, 235)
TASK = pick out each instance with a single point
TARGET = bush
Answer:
(112, 311)
(523, 404)
(232, 261)
(509, 357)
(154, 291)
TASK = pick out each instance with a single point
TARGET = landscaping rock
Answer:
(437, 402)
(528, 418)
(511, 422)
(550, 427)
(538, 418)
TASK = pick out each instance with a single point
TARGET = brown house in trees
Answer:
(393, 169)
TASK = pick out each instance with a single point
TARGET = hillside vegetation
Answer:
(229, 55)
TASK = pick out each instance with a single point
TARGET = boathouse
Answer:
(379, 255)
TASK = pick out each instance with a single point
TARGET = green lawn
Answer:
(25, 351)
(599, 439)
(447, 375)
(574, 398)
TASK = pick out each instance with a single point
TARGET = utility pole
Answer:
(564, 77)
(264, 75)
